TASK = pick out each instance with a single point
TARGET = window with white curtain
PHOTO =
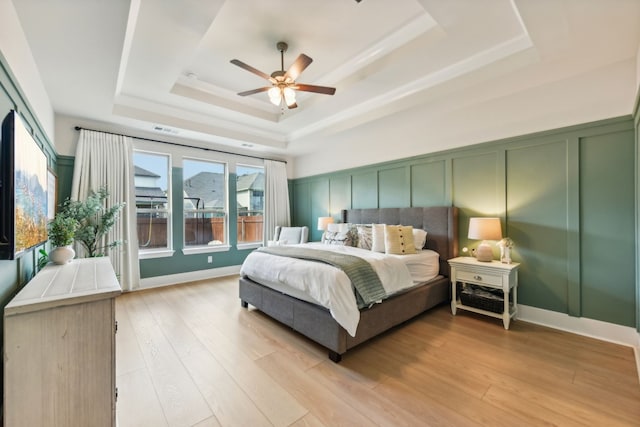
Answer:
(153, 202)
(206, 215)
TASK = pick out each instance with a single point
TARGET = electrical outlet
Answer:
(210, 259)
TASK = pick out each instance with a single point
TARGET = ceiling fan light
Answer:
(289, 96)
(275, 95)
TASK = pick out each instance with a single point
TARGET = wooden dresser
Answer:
(59, 347)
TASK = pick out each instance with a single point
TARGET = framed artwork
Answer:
(24, 191)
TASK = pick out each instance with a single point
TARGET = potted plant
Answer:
(61, 232)
(94, 221)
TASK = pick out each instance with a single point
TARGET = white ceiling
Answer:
(163, 66)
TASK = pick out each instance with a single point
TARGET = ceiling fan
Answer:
(283, 83)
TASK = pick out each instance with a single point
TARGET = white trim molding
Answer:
(617, 334)
(191, 276)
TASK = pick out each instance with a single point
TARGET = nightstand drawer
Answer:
(480, 278)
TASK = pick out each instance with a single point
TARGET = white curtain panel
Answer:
(106, 160)
(276, 203)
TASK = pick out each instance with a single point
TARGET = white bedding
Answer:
(329, 286)
(423, 265)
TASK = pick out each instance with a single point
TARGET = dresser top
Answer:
(81, 280)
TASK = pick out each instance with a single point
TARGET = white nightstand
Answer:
(494, 274)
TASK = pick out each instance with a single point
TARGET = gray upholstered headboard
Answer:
(440, 222)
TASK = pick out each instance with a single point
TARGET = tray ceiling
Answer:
(163, 66)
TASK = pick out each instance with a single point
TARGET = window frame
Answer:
(176, 153)
(167, 251)
(250, 245)
(205, 248)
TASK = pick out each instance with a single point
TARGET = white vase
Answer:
(505, 255)
(62, 254)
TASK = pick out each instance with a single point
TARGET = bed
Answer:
(316, 322)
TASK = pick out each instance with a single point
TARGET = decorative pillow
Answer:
(290, 235)
(377, 237)
(338, 227)
(419, 238)
(364, 236)
(348, 238)
(398, 240)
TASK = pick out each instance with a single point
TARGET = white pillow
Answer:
(377, 237)
(290, 235)
(419, 238)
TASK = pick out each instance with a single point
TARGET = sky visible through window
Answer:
(246, 170)
(155, 163)
(190, 168)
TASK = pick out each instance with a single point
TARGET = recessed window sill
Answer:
(205, 249)
(253, 245)
(161, 253)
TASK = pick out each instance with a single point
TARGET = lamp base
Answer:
(484, 252)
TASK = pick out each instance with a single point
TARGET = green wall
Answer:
(566, 197)
(65, 176)
(637, 205)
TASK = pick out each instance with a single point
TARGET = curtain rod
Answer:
(183, 145)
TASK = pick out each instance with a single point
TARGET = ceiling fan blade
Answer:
(251, 69)
(251, 92)
(317, 89)
(298, 66)
(294, 105)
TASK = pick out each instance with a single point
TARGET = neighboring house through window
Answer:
(205, 204)
(250, 199)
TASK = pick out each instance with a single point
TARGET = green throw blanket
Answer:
(365, 280)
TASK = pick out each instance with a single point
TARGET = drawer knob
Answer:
(476, 277)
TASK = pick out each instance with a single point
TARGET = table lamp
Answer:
(324, 221)
(484, 229)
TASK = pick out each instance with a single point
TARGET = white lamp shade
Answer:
(324, 221)
(485, 229)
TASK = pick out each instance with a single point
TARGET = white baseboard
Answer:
(191, 276)
(604, 331)
(617, 334)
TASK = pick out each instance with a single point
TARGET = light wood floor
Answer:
(189, 355)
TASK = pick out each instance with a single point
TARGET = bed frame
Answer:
(316, 323)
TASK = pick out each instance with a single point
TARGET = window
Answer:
(205, 204)
(250, 198)
(153, 201)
